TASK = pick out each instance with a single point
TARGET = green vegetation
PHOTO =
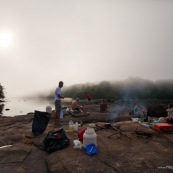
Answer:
(1, 93)
(127, 89)
(1, 98)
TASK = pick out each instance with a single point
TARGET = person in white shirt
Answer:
(58, 105)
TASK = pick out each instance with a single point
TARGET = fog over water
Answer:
(23, 106)
(79, 41)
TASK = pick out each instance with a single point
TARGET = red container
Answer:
(163, 127)
(80, 134)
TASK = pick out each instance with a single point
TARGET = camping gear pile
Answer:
(163, 124)
(87, 137)
(57, 139)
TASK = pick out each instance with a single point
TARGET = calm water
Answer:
(20, 106)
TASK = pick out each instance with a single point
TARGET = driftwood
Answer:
(99, 127)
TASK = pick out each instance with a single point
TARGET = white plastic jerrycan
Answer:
(89, 137)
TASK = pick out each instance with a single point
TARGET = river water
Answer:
(20, 106)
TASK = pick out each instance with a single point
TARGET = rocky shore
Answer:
(117, 152)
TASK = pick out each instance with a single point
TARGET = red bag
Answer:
(80, 134)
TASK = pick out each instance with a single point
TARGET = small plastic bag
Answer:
(77, 144)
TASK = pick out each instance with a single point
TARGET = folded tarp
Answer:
(40, 122)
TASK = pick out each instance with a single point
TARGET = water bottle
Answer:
(70, 126)
(76, 126)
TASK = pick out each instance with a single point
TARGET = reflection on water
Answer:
(24, 106)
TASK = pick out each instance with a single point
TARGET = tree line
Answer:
(1, 93)
(131, 88)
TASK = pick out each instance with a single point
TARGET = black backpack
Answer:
(56, 140)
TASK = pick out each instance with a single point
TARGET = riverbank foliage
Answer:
(1, 93)
(131, 88)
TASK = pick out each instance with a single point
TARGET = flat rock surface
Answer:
(118, 151)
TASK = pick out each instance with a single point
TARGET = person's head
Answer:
(61, 84)
(77, 99)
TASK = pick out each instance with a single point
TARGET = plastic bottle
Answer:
(76, 126)
(70, 126)
(89, 137)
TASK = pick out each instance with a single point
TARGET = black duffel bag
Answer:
(40, 122)
(56, 140)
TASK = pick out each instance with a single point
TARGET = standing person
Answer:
(58, 106)
(103, 106)
(88, 97)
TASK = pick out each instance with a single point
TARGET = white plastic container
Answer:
(70, 126)
(135, 120)
(49, 109)
(89, 137)
(76, 126)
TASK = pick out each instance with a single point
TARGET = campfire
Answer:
(111, 126)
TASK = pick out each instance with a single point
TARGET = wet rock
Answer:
(115, 154)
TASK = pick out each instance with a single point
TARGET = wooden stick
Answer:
(119, 133)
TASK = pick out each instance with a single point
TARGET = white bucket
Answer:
(89, 137)
(49, 109)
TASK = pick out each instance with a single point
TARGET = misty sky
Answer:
(81, 41)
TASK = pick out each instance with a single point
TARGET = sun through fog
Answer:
(6, 39)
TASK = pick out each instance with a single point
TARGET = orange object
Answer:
(163, 127)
